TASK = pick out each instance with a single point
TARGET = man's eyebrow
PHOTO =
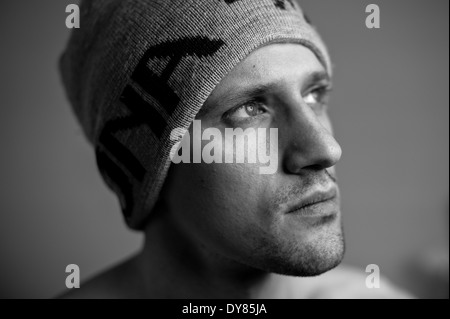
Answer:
(317, 77)
(248, 93)
(231, 97)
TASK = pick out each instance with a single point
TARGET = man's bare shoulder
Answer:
(346, 282)
(114, 283)
(343, 282)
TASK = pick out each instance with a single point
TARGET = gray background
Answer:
(390, 109)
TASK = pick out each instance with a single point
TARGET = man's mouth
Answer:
(317, 204)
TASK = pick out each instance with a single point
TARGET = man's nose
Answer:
(310, 143)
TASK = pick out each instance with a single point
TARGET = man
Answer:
(138, 73)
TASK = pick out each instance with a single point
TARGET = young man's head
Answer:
(287, 222)
(140, 72)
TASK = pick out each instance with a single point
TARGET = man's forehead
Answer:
(276, 60)
(269, 67)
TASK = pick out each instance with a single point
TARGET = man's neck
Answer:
(173, 266)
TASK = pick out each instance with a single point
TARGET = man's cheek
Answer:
(220, 214)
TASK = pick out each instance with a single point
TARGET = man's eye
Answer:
(318, 97)
(248, 110)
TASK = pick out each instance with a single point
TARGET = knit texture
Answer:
(137, 69)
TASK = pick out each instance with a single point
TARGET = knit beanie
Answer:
(137, 69)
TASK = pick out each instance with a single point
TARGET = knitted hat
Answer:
(137, 69)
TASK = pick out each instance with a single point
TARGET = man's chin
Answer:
(315, 266)
(308, 260)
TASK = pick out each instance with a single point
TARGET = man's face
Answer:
(288, 222)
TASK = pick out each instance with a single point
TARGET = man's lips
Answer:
(314, 204)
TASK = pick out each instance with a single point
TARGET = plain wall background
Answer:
(390, 110)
